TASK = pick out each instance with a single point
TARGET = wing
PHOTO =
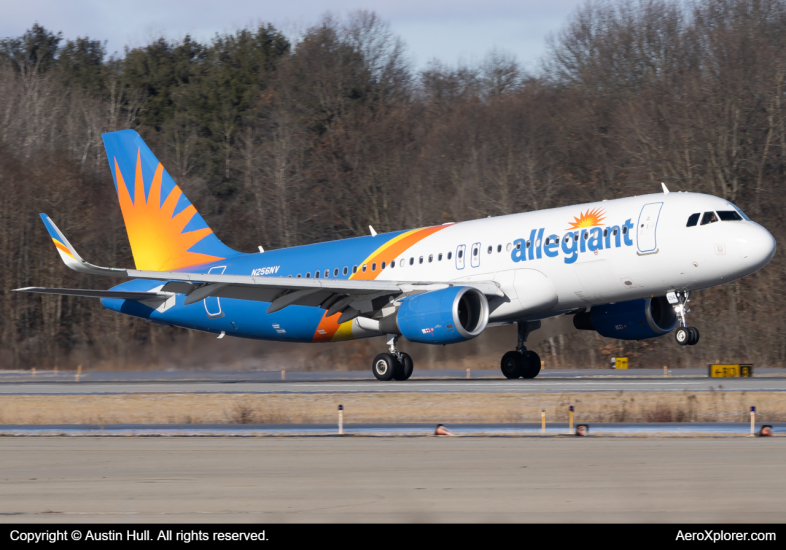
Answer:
(349, 297)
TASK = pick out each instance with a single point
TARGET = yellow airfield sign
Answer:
(730, 371)
(619, 362)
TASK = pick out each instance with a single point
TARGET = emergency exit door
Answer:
(646, 229)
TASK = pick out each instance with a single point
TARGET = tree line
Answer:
(282, 143)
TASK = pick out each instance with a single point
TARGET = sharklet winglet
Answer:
(71, 257)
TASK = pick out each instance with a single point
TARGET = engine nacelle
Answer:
(446, 316)
(634, 320)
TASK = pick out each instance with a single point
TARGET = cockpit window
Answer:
(708, 217)
(741, 213)
(693, 220)
(729, 216)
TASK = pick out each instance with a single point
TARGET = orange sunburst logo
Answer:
(590, 218)
(154, 230)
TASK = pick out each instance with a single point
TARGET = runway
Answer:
(340, 383)
(271, 480)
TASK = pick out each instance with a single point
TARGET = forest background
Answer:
(282, 143)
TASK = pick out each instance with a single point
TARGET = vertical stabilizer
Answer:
(165, 230)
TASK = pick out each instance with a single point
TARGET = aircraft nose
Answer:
(760, 246)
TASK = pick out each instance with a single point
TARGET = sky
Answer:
(452, 31)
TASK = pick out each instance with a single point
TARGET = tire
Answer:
(384, 366)
(694, 333)
(533, 365)
(406, 368)
(682, 336)
(513, 364)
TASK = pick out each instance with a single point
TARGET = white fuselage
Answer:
(652, 253)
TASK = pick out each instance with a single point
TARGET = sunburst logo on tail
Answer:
(590, 218)
(154, 230)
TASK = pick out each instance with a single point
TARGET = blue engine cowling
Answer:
(634, 320)
(446, 316)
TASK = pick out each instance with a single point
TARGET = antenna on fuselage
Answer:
(261, 250)
(665, 189)
(373, 233)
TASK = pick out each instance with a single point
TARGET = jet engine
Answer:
(445, 316)
(634, 320)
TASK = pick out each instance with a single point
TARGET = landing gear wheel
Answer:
(683, 336)
(384, 366)
(694, 336)
(533, 365)
(405, 367)
(513, 364)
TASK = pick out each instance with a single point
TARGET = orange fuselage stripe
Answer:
(328, 326)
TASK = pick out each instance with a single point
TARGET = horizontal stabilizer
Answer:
(117, 294)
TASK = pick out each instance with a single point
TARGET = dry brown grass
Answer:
(394, 407)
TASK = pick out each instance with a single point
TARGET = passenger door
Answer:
(646, 228)
(212, 303)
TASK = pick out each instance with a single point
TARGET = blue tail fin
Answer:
(165, 230)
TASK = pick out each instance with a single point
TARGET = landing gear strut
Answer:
(684, 335)
(522, 363)
(395, 365)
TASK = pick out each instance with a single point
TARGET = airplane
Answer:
(624, 268)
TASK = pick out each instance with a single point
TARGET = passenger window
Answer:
(420, 261)
(308, 275)
(499, 248)
(430, 258)
(729, 216)
(316, 274)
(508, 247)
(411, 261)
(475, 251)
(393, 263)
(298, 275)
(439, 257)
(354, 269)
(364, 268)
(529, 243)
(624, 230)
(586, 236)
(518, 245)
(327, 273)
(335, 272)
(693, 219)
(374, 266)
(346, 270)
(491, 249)
(708, 217)
(450, 255)
(606, 232)
(460, 254)
(383, 266)
(614, 232)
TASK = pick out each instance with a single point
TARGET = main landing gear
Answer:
(522, 363)
(685, 335)
(395, 365)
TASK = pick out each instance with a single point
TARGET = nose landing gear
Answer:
(522, 363)
(685, 335)
(395, 365)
